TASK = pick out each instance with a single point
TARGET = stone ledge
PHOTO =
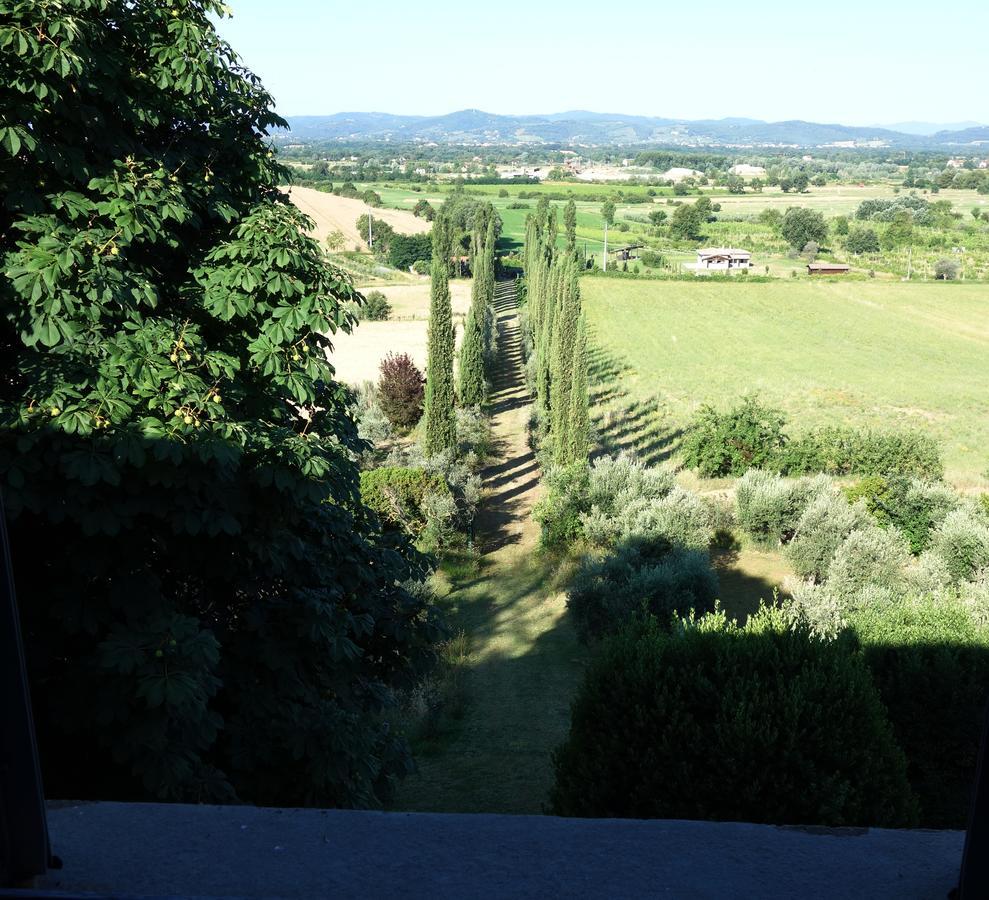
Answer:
(243, 851)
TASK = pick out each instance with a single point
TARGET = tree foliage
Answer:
(440, 425)
(554, 325)
(802, 225)
(760, 723)
(400, 390)
(194, 563)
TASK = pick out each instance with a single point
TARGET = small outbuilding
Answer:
(717, 258)
(626, 253)
(827, 268)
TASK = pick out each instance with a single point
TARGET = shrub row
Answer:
(751, 435)
(762, 723)
(772, 722)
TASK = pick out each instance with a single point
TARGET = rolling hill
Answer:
(473, 126)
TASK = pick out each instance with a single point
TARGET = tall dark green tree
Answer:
(574, 444)
(471, 376)
(490, 319)
(570, 227)
(194, 565)
(440, 432)
(566, 325)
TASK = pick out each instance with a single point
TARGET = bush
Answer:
(679, 517)
(930, 662)
(401, 390)
(606, 496)
(375, 307)
(764, 723)
(401, 496)
(721, 521)
(828, 519)
(769, 506)
(643, 576)
(962, 540)
(862, 240)
(914, 507)
(372, 423)
(852, 451)
(616, 481)
(869, 557)
(473, 430)
(946, 270)
(748, 436)
(405, 250)
(558, 513)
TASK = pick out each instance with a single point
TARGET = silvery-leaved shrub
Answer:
(929, 574)
(824, 524)
(769, 506)
(975, 596)
(644, 576)
(869, 557)
(814, 604)
(962, 540)
(615, 481)
(680, 517)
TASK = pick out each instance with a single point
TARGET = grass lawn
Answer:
(525, 664)
(827, 352)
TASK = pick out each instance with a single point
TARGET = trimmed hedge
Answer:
(930, 662)
(398, 495)
(765, 723)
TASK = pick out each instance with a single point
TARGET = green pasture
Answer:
(736, 224)
(864, 353)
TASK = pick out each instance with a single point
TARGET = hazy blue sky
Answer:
(850, 61)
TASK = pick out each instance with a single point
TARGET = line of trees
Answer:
(477, 354)
(558, 336)
(478, 351)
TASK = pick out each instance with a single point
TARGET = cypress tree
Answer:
(472, 349)
(564, 337)
(551, 230)
(490, 322)
(440, 421)
(549, 303)
(574, 445)
(570, 227)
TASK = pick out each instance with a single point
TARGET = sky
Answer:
(857, 62)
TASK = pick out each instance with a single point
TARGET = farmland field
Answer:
(830, 352)
(356, 357)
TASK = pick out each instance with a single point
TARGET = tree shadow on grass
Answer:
(641, 427)
(741, 591)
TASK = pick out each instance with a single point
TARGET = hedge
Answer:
(763, 723)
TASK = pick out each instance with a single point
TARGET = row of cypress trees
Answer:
(477, 351)
(559, 335)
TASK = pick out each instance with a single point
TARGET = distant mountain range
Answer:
(472, 126)
(929, 128)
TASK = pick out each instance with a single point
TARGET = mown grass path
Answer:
(525, 660)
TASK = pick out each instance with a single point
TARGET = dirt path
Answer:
(525, 659)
